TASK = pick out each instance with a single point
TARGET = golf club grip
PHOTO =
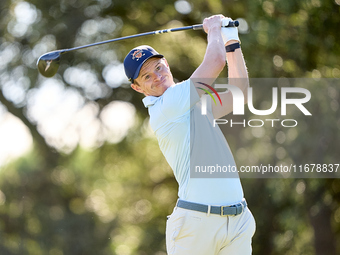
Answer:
(231, 24)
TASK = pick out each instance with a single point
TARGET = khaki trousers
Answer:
(195, 233)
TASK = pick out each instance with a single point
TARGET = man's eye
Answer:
(158, 68)
(147, 77)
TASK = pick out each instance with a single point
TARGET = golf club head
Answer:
(48, 64)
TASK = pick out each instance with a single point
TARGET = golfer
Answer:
(211, 215)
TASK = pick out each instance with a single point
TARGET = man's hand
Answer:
(229, 34)
(212, 23)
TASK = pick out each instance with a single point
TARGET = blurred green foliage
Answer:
(114, 198)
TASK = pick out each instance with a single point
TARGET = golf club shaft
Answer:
(194, 27)
(48, 63)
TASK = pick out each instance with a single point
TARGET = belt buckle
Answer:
(222, 209)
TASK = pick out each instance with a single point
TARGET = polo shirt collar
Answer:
(149, 101)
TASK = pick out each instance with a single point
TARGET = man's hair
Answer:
(134, 82)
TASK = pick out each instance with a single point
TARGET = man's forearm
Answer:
(237, 70)
(215, 48)
(236, 64)
(214, 58)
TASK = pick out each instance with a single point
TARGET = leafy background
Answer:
(92, 180)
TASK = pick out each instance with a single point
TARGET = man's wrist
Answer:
(231, 42)
(232, 47)
(214, 28)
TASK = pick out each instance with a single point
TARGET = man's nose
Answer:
(157, 76)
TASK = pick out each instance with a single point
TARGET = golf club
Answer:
(48, 64)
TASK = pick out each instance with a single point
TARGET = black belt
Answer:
(220, 210)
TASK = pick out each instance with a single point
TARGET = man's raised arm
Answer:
(237, 71)
(214, 58)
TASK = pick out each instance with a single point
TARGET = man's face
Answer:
(154, 77)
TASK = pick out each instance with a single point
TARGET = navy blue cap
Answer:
(136, 58)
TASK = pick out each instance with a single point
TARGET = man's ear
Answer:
(137, 88)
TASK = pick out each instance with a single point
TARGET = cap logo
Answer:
(137, 55)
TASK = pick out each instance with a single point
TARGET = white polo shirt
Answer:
(188, 139)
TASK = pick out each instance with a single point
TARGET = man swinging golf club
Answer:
(211, 215)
